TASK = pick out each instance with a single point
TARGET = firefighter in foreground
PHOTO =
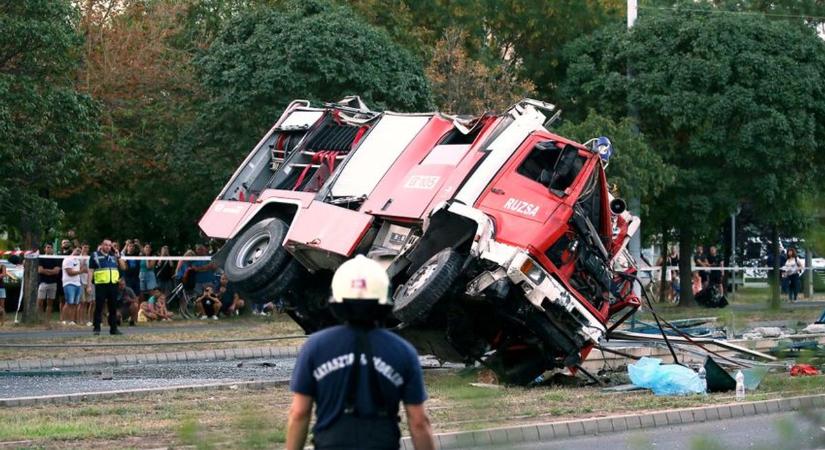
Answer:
(357, 404)
(105, 275)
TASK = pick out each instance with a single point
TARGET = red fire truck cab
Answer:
(500, 237)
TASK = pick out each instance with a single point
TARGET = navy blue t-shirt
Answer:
(324, 365)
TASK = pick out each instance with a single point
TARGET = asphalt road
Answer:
(70, 381)
(785, 431)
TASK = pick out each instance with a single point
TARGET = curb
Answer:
(546, 432)
(103, 395)
(152, 358)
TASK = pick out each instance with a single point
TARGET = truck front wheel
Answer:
(415, 298)
(257, 255)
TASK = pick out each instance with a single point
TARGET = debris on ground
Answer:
(799, 370)
(815, 328)
(665, 379)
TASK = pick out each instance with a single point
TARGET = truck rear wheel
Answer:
(415, 298)
(257, 255)
(290, 277)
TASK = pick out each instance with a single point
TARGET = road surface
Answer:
(784, 431)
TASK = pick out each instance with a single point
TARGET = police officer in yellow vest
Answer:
(105, 274)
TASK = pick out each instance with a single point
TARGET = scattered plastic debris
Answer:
(815, 328)
(664, 379)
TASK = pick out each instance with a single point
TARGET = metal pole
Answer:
(809, 274)
(733, 255)
(635, 246)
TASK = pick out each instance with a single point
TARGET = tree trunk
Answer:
(29, 286)
(664, 287)
(774, 278)
(685, 269)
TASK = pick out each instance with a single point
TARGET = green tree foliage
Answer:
(735, 102)
(635, 170)
(45, 124)
(316, 50)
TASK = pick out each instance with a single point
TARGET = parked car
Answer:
(500, 236)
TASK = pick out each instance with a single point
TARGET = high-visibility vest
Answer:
(107, 271)
(106, 276)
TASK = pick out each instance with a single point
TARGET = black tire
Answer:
(415, 298)
(290, 278)
(257, 255)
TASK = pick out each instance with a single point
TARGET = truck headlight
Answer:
(532, 271)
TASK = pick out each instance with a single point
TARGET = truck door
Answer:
(525, 193)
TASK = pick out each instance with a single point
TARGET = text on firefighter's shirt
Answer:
(342, 361)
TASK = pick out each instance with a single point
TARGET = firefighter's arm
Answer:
(420, 430)
(298, 425)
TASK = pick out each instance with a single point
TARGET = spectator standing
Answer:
(231, 301)
(3, 275)
(48, 270)
(148, 279)
(165, 272)
(87, 293)
(106, 276)
(65, 251)
(792, 270)
(71, 286)
(204, 271)
(131, 267)
(186, 277)
(337, 369)
(715, 277)
(673, 261)
(700, 260)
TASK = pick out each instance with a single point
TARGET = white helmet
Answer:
(361, 278)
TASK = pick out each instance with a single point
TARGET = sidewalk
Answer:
(547, 432)
(150, 358)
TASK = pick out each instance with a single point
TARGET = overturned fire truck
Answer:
(501, 238)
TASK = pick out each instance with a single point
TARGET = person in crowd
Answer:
(87, 294)
(66, 251)
(792, 271)
(104, 264)
(165, 272)
(148, 279)
(48, 270)
(131, 267)
(673, 261)
(204, 270)
(185, 276)
(3, 275)
(716, 277)
(208, 305)
(72, 270)
(128, 302)
(338, 369)
(231, 301)
(160, 308)
(700, 260)
(116, 247)
(148, 310)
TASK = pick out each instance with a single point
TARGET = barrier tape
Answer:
(711, 269)
(128, 258)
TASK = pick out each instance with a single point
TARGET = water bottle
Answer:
(703, 377)
(740, 386)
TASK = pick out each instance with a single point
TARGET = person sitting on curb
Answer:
(208, 304)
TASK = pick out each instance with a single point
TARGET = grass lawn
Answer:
(195, 330)
(257, 418)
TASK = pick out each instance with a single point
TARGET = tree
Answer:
(465, 86)
(45, 124)
(735, 102)
(270, 55)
